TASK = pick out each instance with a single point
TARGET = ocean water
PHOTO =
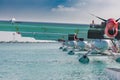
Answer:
(45, 31)
(44, 61)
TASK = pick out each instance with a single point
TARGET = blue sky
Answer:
(68, 11)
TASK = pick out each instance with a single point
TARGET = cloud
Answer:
(79, 11)
(62, 8)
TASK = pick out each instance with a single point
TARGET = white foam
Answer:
(14, 37)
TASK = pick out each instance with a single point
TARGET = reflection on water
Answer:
(44, 61)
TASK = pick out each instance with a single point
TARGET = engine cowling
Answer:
(111, 29)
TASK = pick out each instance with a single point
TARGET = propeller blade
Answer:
(117, 19)
(99, 17)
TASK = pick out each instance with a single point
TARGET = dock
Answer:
(113, 73)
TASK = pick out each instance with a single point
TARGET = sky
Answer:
(61, 11)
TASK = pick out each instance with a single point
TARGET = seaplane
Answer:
(103, 36)
(105, 39)
(74, 43)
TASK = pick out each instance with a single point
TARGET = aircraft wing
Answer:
(44, 31)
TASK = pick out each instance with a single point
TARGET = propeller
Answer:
(99, 17)
(102, 18)
(117, 19)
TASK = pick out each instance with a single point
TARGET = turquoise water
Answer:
(44, 61)
(45, 31)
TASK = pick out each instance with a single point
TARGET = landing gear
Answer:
(71, 52)
(61, 48)
(84, 59)
(65, 49)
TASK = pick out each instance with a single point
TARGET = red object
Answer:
(111, 29)
(75, 37)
